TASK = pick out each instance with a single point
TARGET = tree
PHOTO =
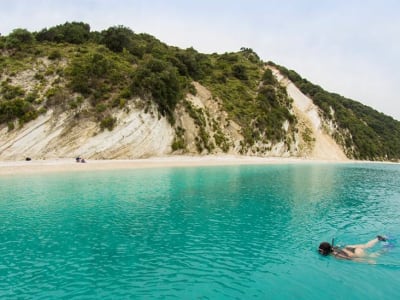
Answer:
(117, 38)
(268, 77)
(74, 33)
(19, 37)
(87, 72)
(2, 41)
(190, 62)
(250, 54)
(239, 71)
(160, 81)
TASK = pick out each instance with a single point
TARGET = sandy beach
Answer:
(69, 164)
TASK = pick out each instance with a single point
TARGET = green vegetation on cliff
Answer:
(363, 132)
(115, 66)
(250, 96)
(92, 74)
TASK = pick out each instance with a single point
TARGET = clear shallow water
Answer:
(243, 232)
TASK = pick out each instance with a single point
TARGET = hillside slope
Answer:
(67, 91)
(138, 134)
(310, 124)
(361, 131)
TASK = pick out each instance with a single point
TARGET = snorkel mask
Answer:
(325, 248)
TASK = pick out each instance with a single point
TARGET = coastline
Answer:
(69, 164)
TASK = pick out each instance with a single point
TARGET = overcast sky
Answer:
(351, 47)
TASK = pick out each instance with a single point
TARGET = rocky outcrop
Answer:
(136, 134)
(313, 138)
(201, 127)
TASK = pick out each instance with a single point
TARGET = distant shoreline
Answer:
(69, 164)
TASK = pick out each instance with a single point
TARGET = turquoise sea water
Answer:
(237, 232)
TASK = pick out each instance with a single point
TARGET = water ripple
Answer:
(209, 233)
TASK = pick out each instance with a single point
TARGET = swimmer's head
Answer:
(325, 248)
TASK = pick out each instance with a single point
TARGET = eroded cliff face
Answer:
(136, 134)
(201, 127)
(314, 134)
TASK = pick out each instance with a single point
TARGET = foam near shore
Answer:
(69, 164)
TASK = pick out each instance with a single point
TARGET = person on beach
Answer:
(349, 251)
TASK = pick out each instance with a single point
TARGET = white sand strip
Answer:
(69, 164)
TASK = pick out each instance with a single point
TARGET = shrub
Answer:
(239, 71)
(55, 54)
(56, 97)
(10, 91)
(119, 102)
(18, 38)
(250, 55)
(38, 76)
(117, 38)
(101, 107)
(268, 77)
(179, 140)
(178, 144)
(10, 126)
(191, 63)
(221, 141)
(159, 81)
(15, 108)
(108, 122)
(192, 90)
(125, 93)
(2, 42)
(31, 97)
(86, 71)
(74, 33)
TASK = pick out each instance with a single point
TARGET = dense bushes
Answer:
(268, 77)
(18, 38)
(159, 81)
(74, 33)
(191, 63)
(117, 38)
(96, 71)
(272, 107)
(253, 99)
(15, 104)
(10, 92)
(108, 123)
(12, 109)
(55, 54)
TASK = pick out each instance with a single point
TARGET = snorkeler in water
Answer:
(349, 251)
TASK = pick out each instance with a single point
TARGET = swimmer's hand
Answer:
(381, 238)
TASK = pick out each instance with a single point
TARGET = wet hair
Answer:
(325, 248)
